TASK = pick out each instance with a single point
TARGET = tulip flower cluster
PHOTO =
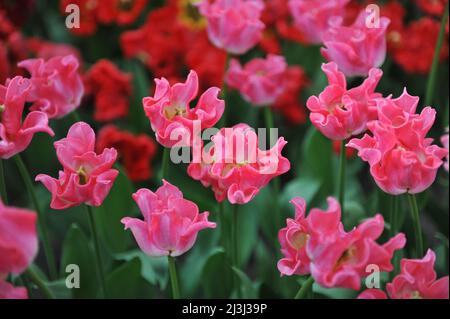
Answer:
(319, 245)
(18, 247)
(166, 151)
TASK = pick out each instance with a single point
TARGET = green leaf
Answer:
(306, 188)
(248, 288)
(77, 250)
(335, 293)
(153, 269)
(316, 160)
(126, 282)
(60, 290)
(117, 205)
(141, 89)
(249, 217)
(194, 261)
(217, 279)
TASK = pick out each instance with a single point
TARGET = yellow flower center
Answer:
(346, 257)
(83, 175)
(190, 16)
(2, 109)
(299, 240)
(416, 295)
(394, 37)
(172, 111)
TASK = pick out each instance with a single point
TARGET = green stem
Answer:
(342, 163)
(165, 163)
(223, 121)
(42, 286)
(98, 256)
(416, 223)
(305, 288)
(221, 222)
(235, 248)
(174, 278)
(394, 214)
(393, 219)
(268, 116)
(3, 192)
(41, 217)
(234, 237)
(434, 66)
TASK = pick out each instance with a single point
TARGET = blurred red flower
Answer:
(277, 18)
(94, 12)
(111, 88)
(88, 22)
(13, 48)
(135, 151)
(433, 7)
(122, 12)
(415, 44)
(158, 43)
(207, 60)
(288, 103)
(172, 38)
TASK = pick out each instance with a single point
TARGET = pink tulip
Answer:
(401, 158)
(56, 86)
(338, 258)
(235, 167)
(312, 17)
(293, 239)
(87, 177)
(171, 223)
(372, 294)
(357, 48)
(340, 113)
(417, 280)
(261, 81)
(171, 116)
(8, 291)
(233, 25)
(18, 239)
(15, 135)
(318, 244)
(444, 141)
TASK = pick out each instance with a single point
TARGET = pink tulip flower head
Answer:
(56, 86)
(8, 291)
(15, 134)
(417, 279)
(87, 177)
(401, 158)
(261, 81)
(444, 141)
(18, 240)
(340, 113)
(170, 115)
(235, 167)
(373, 294)
(357, 48)
(293, 239)
(233, 25)
(171, 223)
(338, 258)
(312, 17)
